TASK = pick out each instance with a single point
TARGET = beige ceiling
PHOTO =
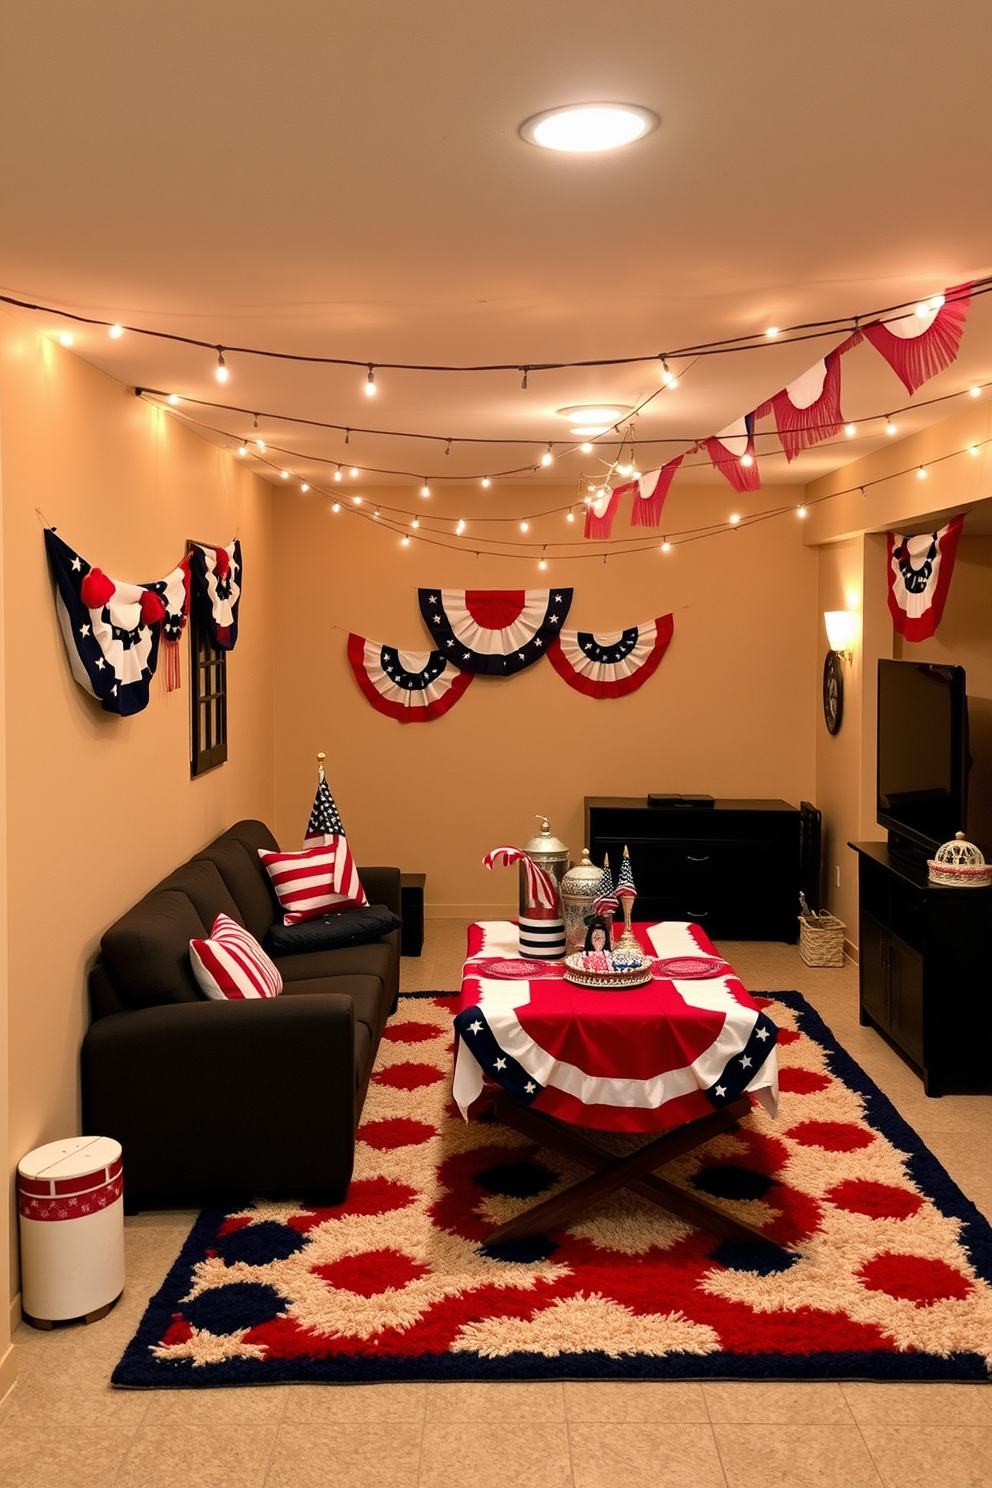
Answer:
(347, 179)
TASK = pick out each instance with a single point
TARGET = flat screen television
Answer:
(923, 760)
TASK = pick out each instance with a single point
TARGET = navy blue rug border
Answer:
(138, 1369)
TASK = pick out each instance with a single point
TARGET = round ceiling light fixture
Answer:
(589, 420)
(588, 128)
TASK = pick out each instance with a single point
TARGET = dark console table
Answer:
(924, 969)
(733, 867)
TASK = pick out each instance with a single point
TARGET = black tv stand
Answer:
(924, 969)
(905, 850)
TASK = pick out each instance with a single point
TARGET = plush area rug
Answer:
(877, 1266)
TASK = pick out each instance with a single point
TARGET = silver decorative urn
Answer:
(549, 853)
(578, 894)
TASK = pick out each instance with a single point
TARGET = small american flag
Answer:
(625, 881)
(606, 901)
(325, 821)
(324, 829)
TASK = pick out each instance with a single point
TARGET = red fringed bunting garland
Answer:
(600, 513)
(649, 493)
(732, 453)
(808, 409)
(614, 665)
(919, 573)
(410, 686)
(917, 346)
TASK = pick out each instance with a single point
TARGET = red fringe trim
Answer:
(601, 527)
(799, 428)
(646, 510)
(916, 359)
(741, 477)
(172, 670)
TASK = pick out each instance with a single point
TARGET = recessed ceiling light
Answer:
(604, 414)
(586, 128)
(588, 431)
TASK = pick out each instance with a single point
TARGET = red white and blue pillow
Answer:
(231, 966)
(317, 881)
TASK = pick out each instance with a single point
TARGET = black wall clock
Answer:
(833, 691)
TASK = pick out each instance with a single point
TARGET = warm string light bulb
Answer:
(921, 473)
(173, 399)
(734, 518)
(772, 332)
(356, 500)
(242, 449)
(570, 515)
(485, 483)
(850, 430)
(586, 448)
(544, 562)
(668, 376)
(65, 338)
(304, 487)
(404, 542)
(890, 427)
(666, 546)
(115, 332)
(747, 459)
(547, 458)
(336, 507)
(973, 450)
(416, 522)
(221, 373)
(370, 387)
(800, 511)
(260, 445)
(284, 474)
(975, 392)
(337, 473)
(460, 528)
(353, 472)
(425, 489)
(524, 526)
(376, 514)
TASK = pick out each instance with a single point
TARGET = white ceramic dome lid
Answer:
(73, 1157)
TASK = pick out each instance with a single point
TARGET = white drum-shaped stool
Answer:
(69, 1198)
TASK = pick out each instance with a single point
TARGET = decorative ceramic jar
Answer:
(578, 894)
(960, 865)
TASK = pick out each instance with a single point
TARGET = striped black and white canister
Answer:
(542, 939)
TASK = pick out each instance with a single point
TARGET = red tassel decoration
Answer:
(172, 670)
(742, 476)
(646, 510)
(915, 357)
(600, 514)
(97, 590)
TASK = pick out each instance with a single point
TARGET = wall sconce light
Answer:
(841, 629)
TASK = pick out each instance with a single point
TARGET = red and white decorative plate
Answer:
(514, 970)
(689, 968)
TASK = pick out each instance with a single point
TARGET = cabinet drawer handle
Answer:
(697, 914)
(691, 859)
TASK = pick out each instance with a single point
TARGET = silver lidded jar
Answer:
(549, 853)
(578, 894)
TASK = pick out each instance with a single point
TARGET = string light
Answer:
(667, 375)
(973, 449)
(485, 483)
(353, 471)
(547, 458)
(336, 507)
(425, 489)
(772, 332)
(460, 528)
(404, 542)
(800, 511)
(890, 427)
(376, 514)
(625, 470)
(115, 332)
(975, 392)
(524, 526)
(337, 473)
(221, 373)
(747, 459)
(416, 522)
(850, 430)
(921, 474)
(570, 515)
(370, 387)
(242, 449)
(586, 448)
(65, 338)
(284, 474)
(260, 445)
(304, 487)
(544, 562)
(734, 518)
(357, 500)
(666, 546)
(173, 399)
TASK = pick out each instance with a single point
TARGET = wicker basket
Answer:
(821, 940)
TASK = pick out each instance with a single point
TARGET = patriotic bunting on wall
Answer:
(496, 632)
(217, 575)
(919, 571)
(410, 686)
(113, 630)
(613, 665)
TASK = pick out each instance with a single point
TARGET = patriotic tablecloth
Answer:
(645, 1059)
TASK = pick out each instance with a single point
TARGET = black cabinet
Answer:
(732, 867)
(925, 976)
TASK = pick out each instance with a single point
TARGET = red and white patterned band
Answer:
(70, 1198)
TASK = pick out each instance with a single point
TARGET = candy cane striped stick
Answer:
(540, 887)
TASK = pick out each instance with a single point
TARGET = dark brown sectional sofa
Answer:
(219, 1100)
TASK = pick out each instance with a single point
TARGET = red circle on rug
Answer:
(365, 1196)
(408, 1076)
(788, 1035)
(876, 1200)
(398, 1132)
(801, 1081)
(921, 1280)
(411, 1033)
(371, 1272)
(832, 1136)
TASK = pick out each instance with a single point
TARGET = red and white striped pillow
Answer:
(231, 965)
(317, 881)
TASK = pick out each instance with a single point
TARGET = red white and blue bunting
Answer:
(410, 686)
(613, 665)
(217, 576)
(113, 630)
(494, 632)
(919, 572)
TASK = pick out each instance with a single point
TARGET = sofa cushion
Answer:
(350, 927)
(377, 960)
(245, 880)
(230, 966)
(370, 1000)
(147, 950)
(319, 879)
(203, 885)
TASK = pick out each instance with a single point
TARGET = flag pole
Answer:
(321, 756)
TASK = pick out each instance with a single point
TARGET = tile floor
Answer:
(62, 1427)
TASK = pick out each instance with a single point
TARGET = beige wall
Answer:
(8, 1362)
(730, 710)
(99, 807)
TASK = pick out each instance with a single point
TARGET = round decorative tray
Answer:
(515, 970)
(688, 968)
(637, 975)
